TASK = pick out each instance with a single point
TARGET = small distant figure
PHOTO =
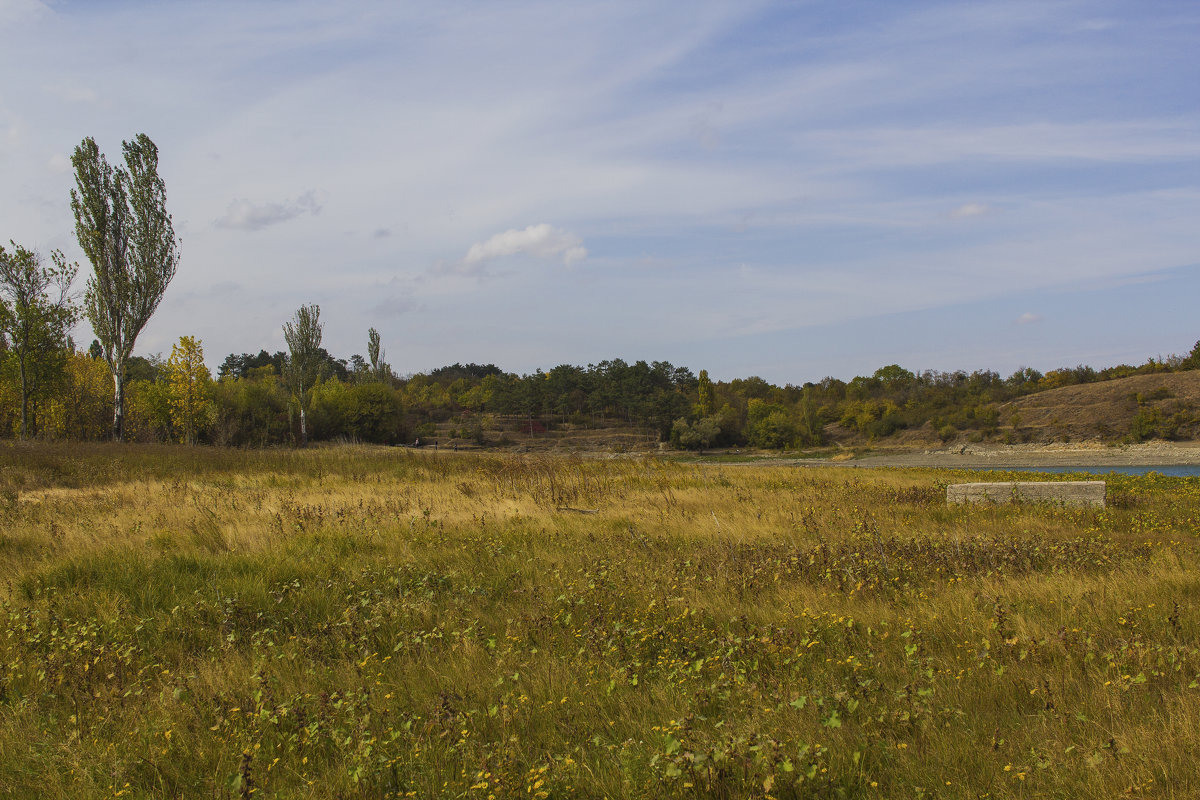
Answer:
(435, 441)
(417, 443)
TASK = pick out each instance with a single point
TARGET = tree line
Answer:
(50, 388)
(281, 397)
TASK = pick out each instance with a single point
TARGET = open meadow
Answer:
(350, 622)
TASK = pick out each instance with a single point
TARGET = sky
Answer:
(783, 189)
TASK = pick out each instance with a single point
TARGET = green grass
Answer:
(352, 622)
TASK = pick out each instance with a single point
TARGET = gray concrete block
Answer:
(1067, 493)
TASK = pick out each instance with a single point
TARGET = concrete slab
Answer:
(1067, 493)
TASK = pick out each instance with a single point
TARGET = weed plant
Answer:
(354, 622)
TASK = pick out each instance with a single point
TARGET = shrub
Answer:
(372, 412)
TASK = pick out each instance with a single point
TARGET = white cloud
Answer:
(538, 241)
(969, 210)
(1029, 318)
(247, 216)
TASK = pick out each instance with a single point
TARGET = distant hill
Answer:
(1162, 405)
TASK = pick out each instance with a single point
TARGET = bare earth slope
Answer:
(1084, 426)
(1107, 410)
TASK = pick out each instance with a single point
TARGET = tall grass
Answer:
(354, 622)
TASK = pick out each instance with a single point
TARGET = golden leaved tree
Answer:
(190, 389)
(82, 408)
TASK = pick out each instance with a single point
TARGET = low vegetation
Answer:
(355, 622)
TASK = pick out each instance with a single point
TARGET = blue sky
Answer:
(786, 189)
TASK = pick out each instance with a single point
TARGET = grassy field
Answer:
(351, 622)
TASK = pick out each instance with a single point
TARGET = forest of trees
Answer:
(49, 388)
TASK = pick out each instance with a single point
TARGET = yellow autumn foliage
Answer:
(190, 389)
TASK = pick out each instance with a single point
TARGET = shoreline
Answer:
(1026, 456)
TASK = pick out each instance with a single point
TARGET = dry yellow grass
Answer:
(348, 622)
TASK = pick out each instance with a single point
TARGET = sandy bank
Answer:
(1018, 456)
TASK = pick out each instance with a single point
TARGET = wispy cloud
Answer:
(391, 307)
(1028, 318)
(969, 210)
(1141, 141)
(15, 11)
(853, 171)
(72, 93)
(59, 164)
(247, 216)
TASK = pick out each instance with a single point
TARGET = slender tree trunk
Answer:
(24, 402)
(118, 407)
(303, 428)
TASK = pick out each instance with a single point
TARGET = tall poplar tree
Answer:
(704, 395)
(122, 224)
(380, 370)
(304, 360)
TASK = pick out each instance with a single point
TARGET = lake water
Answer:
(1175, 470)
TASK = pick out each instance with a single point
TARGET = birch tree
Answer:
(304, 360)
(122, 224)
